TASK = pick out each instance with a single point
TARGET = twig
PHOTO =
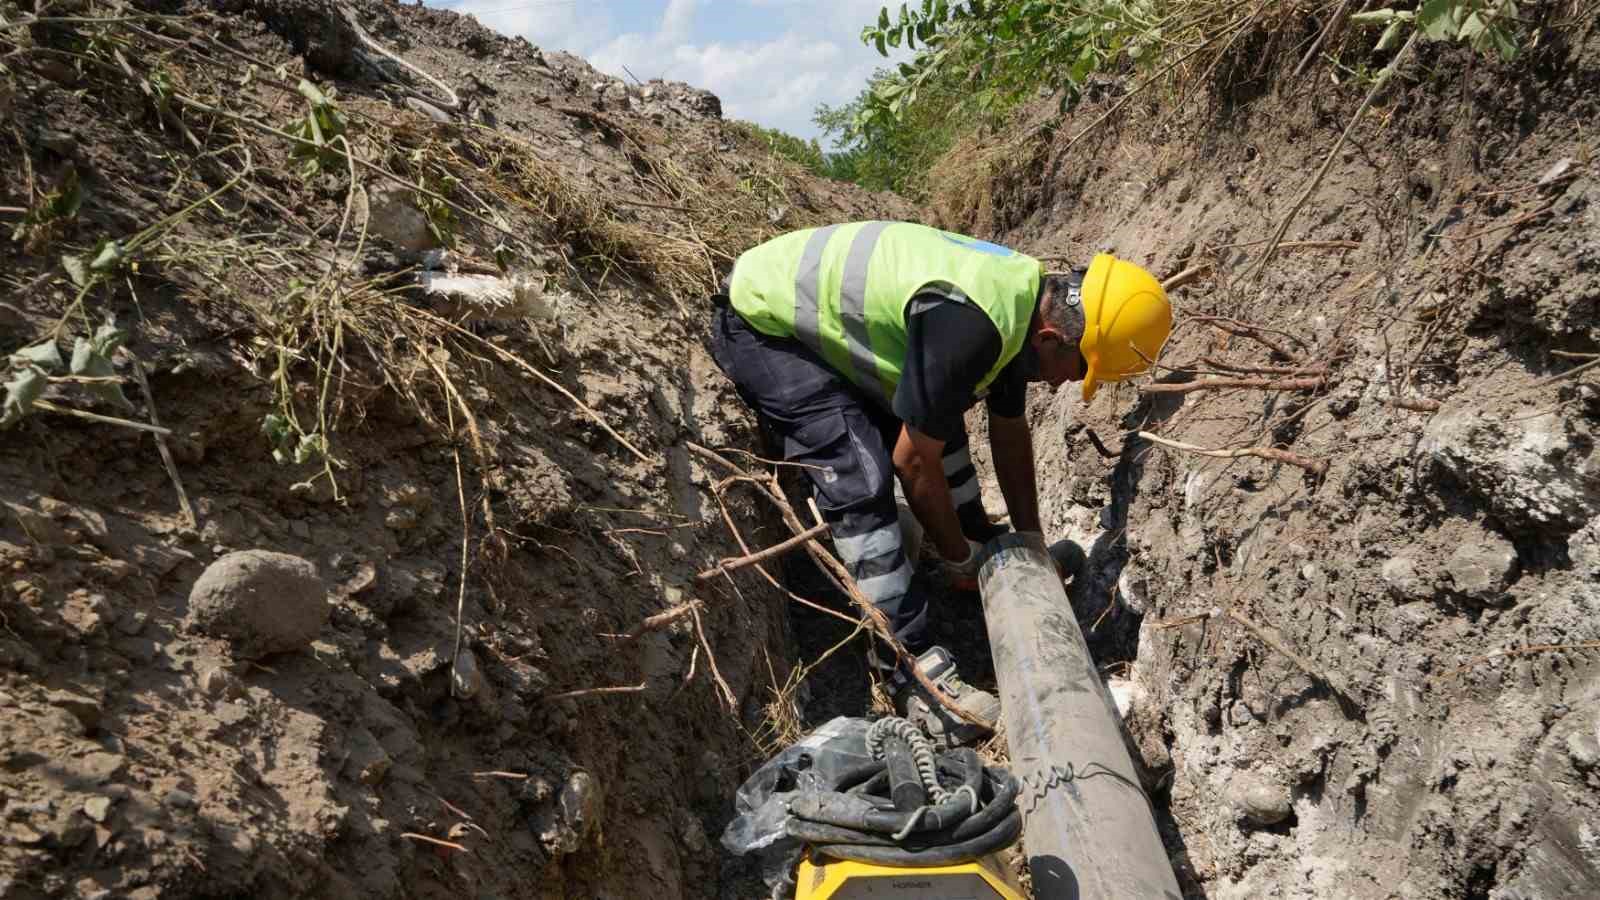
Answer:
(585, 692)
(1416, 404)
(1332, 26)
(1333, 153)
(466, 530)
(1319, 245)
(657, 622)
(518, 361)
(1182, 278)
(1214, 384)
(1271, 639)
(433, 840)
(1319, 371)
(771, 462)
(516, 776)
(841, 577)
(105, 420)
(454, 810)
(732, 564)
(1579, 370)
(1501, 227)
(452, 102)
(161, 445)
(733, 529)
(1099, 447)
(1314, 466)
(1255, 333)
(1529, 650)
(711, 662)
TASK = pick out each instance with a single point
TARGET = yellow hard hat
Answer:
(1126, 319)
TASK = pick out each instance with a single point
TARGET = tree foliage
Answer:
(976, 59)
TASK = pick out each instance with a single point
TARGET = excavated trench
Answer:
(1373, 680)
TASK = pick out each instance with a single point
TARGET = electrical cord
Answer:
(973, 810)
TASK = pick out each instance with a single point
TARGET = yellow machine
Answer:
(984, 879)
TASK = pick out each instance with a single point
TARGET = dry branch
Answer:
(161, 445)
(1271, 639)
(841, 577)
(1182, 278)
(412, 836)
(47, 406)
(733, 529)
(1416, 404)
(1314, 466)
(658, 621)
(585, 692)
(732, 564)
(1213, 384)
(1320, 371)
(725, 692)
(1255, 333)
(1101, 448)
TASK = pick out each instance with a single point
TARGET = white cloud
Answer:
(807, 52)
(567, 26)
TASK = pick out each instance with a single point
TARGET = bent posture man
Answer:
(862, 345)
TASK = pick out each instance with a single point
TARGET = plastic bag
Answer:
(815, 763)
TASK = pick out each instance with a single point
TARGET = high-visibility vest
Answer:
(842, 290)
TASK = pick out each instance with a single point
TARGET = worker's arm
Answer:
(919, 461)
(1011, 442)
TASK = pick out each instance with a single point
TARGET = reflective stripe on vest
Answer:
(844, 295)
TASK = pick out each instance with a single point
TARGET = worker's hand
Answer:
(964, 573)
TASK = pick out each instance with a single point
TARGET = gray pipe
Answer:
(1088, 827)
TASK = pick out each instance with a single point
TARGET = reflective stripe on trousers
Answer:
(869, 544)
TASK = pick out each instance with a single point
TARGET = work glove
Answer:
(964, 573)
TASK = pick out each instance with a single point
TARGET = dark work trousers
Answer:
(845, 441)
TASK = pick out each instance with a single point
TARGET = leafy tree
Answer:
(806, 153)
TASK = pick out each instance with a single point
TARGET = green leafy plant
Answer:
(50, 214)
(1484, 25)
(289, 443)
(30, 375)
(34, 367)
(807, 154)
(318, 129)
(442, 219)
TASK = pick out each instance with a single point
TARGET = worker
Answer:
(862, 345)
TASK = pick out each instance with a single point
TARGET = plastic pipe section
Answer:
(1088, 827)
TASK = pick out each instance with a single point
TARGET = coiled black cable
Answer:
(854, 818)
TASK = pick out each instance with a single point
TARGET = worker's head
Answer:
(1105, 324)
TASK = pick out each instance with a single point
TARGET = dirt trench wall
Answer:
(1389, 726)
(141, 757)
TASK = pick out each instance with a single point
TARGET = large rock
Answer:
(395, 217)
(1482, 566)
(1259, 800)
(1533, 471)
(263, 602)
(1584, 550)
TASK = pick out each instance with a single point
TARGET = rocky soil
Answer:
(467, 328)
(1378, 678)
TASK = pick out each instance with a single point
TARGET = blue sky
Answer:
(770, 61)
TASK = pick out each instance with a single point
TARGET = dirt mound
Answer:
(1386, 628)
(429, 320)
